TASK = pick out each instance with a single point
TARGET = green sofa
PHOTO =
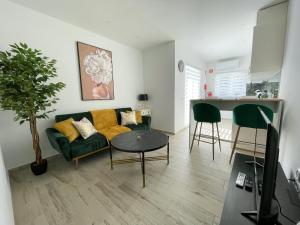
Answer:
(95, 143)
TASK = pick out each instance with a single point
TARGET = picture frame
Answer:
(96, 72)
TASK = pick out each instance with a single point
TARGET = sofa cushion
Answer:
(83, 146)
(138, 115)
(113, 131)
(66, 128)
(128, 118)
(85, 128)
(118, 113)
(147, 121)
(139, 126)
(75, 116)
(59, 142)
(104, 118)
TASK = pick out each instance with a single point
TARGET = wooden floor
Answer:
(190, 190)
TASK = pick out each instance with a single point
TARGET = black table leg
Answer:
(111, 162)
(143, 168)
(168, 155)
(141, 161)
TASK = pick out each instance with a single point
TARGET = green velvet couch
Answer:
(84, 147)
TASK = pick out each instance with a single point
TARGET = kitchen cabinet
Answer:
(269, 39)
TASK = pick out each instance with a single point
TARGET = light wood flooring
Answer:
(191, 190)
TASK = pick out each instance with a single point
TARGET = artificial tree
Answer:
(25, 88)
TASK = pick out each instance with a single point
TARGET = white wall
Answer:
(58, 40)
(191, 58)
(165, 84)
(6, 209)
(289, 91)
(159, 84)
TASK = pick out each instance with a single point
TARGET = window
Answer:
(231, 84)
(192, 88)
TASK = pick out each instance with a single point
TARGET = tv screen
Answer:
(266, 212)
(268, 209)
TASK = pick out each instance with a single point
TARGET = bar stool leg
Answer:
(213, 141)
(235, 142)
(255, 142)
(200, 133)
(218, 136)
(194, 137)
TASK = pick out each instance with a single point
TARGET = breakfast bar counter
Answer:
(229, 104)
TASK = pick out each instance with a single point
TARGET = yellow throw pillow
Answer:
(104, 118)
(67, 128)
(138, 116)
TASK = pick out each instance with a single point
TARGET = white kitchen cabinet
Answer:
(268, 48)
(269, 39)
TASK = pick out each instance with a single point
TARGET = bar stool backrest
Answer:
(208, 113)
(248, 115)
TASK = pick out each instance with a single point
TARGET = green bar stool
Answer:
(206, 113)
(248, 115)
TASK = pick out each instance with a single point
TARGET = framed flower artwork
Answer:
(96, 72)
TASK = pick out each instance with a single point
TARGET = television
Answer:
(266, 212)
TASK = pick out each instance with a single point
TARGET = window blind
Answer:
(192, 88)
(231, 84)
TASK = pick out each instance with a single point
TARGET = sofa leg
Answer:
(76, 163)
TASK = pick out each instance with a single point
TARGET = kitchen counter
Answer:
(246, 134)
(229, 104)
(241, 99)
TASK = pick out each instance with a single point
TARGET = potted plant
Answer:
(25, 89)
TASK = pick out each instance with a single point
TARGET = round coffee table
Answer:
(140, 142)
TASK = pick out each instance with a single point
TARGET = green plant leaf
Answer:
(25, 86)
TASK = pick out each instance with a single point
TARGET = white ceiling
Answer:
(216, 29)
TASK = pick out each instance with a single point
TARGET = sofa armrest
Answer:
(59, 142)
(147, 121)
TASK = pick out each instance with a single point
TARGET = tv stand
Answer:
(239, 200)
(251, 215)
(271, 219)
(254, 162)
